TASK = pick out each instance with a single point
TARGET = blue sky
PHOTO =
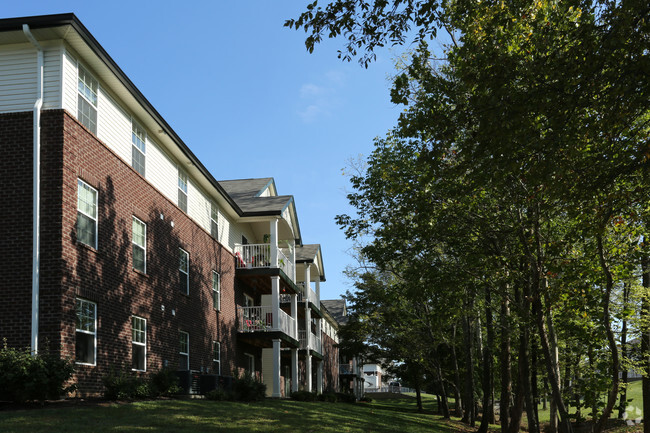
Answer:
(246, 97)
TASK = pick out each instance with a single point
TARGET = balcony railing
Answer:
(346, 369)
(259, 256)
(313, 342)
(252, 319)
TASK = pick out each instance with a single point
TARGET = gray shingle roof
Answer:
(245, 192)
(307, 253)
(336, 309)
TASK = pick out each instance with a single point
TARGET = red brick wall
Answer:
(330, 364)
(105, 275)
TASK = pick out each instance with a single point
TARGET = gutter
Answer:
(36, 194)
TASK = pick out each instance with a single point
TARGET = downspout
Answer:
(36, 194)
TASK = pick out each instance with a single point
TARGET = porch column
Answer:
(308, 369)
(274, 243)
(277, 392)
(307, 281)
(319, 377)
(294, 370)
(294, 314)
(293, 260)
(319, 335)
(275, 301)
(317, 300)
(308, 325)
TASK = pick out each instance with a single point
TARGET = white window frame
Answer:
(84, 331)
(138, 146)
(248, 302)
(180, 351)
(85, 85)
(250, 361)
(216, 360)
(137, 220)
(81, 184)
(214, 220)
(186, 272)
(183, 183)
(139, 343)
(216, 290)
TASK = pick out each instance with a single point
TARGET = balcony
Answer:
(346, 369)
(260, 319)
(309, 341)
(258, 256)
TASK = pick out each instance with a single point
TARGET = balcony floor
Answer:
(259, 278)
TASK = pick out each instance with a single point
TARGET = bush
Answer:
(366, 398)
(24, 377)
(345, 397)
(248, 388)
(218, 395)
(328, 397)
(124, 385)
(304, 396)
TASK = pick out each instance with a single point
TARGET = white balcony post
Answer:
(307, 281)
(294, 370)
(308, 370)
(275, 301)
(308, 325)
(317, 300)
(294, 313)
(319, 337)
(319, 377)
(277, 393)
(274, 243)
(293, 259)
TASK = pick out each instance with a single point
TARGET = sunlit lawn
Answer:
(203, 416)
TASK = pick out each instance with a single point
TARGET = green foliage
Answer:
(218, 395)
(122, 384)
(304, 396)
(366, 398)
(247, 388)
(24, 377)
(345, 397)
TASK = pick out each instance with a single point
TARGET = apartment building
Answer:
(122, 249)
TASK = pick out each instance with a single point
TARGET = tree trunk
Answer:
(623, 399)
(506, 376)
(645, 336)
(488, 379)
(469, 417)
(533, 376)
(613, 348)
(418, 396)
(443, 393)
(458, 410)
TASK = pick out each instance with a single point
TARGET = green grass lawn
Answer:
(203, 416)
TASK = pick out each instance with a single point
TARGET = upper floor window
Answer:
(216, 290)
(86, 332)
(214, 218)
(86, 214)
(184, 351)
(182, 190)
(139, 245)
(138, 147)
(184, 271)
(139, 343)
(87, 100)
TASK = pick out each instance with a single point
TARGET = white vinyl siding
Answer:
(161, 171)
(69, 83)
(198, 205)
(18, 77)
(113, 126)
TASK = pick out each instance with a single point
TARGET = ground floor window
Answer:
(216, 357)
(184, 351)
(250, 363)
(139, 343)
(86, 332)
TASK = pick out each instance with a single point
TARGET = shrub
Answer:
(164, 383)
(329, 397)
(124, 385)
(304, 396)
(24, 377)
(248, 388)
(219, 395)
(366, 398)
(346, 397)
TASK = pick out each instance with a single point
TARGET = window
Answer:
(87, 100)
(86, 332)
(216, 290)
(139, 343)
(139, 245)
(250, 363)
(138, 147)
(184, 351)
(214, 226)
(182, 190)
(216, 357)
(184, 271)
(248, 302)
(86, 214)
